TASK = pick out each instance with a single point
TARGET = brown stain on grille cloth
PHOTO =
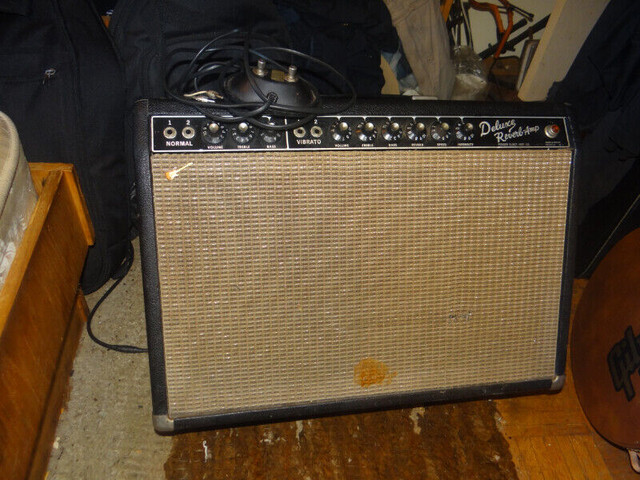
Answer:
(454, 441)
(370, 371)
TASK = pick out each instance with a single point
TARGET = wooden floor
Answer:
(550, 438)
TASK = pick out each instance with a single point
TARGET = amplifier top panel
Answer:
(197, 133)
(388, 122)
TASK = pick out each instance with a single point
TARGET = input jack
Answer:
(170, 133)
(316, 131)
(188, 132)
(300, 132)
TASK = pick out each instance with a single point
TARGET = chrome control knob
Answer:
(391, 131)
(440, 132)
(213, 132)
(417, 131)
(366, 132)
(465, 131)
(242, 133)
(340, 131)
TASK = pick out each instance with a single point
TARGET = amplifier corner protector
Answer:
(163, 424)
(558, 382)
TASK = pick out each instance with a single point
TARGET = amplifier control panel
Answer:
(173, 133)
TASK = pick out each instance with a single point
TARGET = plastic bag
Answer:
(17, 195)
(471, 78)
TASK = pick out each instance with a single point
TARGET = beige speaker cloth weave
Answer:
(294, 278)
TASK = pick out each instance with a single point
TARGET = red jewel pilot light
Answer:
(552, 131)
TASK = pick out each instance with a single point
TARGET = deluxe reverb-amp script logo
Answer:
(506, 130)
(624, 361)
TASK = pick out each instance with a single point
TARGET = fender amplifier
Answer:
(400, 253)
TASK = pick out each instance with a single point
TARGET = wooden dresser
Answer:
(42, 313)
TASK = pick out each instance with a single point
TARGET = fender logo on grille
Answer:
(171, 174)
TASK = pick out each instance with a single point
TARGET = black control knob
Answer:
(213, 132)
(340, 131)
(440, 132)
(242, 133)
(391, 131)
(417, 131)
(465, 131)
(366, 132)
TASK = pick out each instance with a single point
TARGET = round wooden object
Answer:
(605, 345)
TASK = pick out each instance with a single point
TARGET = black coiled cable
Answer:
(232, 53)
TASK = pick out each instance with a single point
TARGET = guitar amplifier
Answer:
(400, 253)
